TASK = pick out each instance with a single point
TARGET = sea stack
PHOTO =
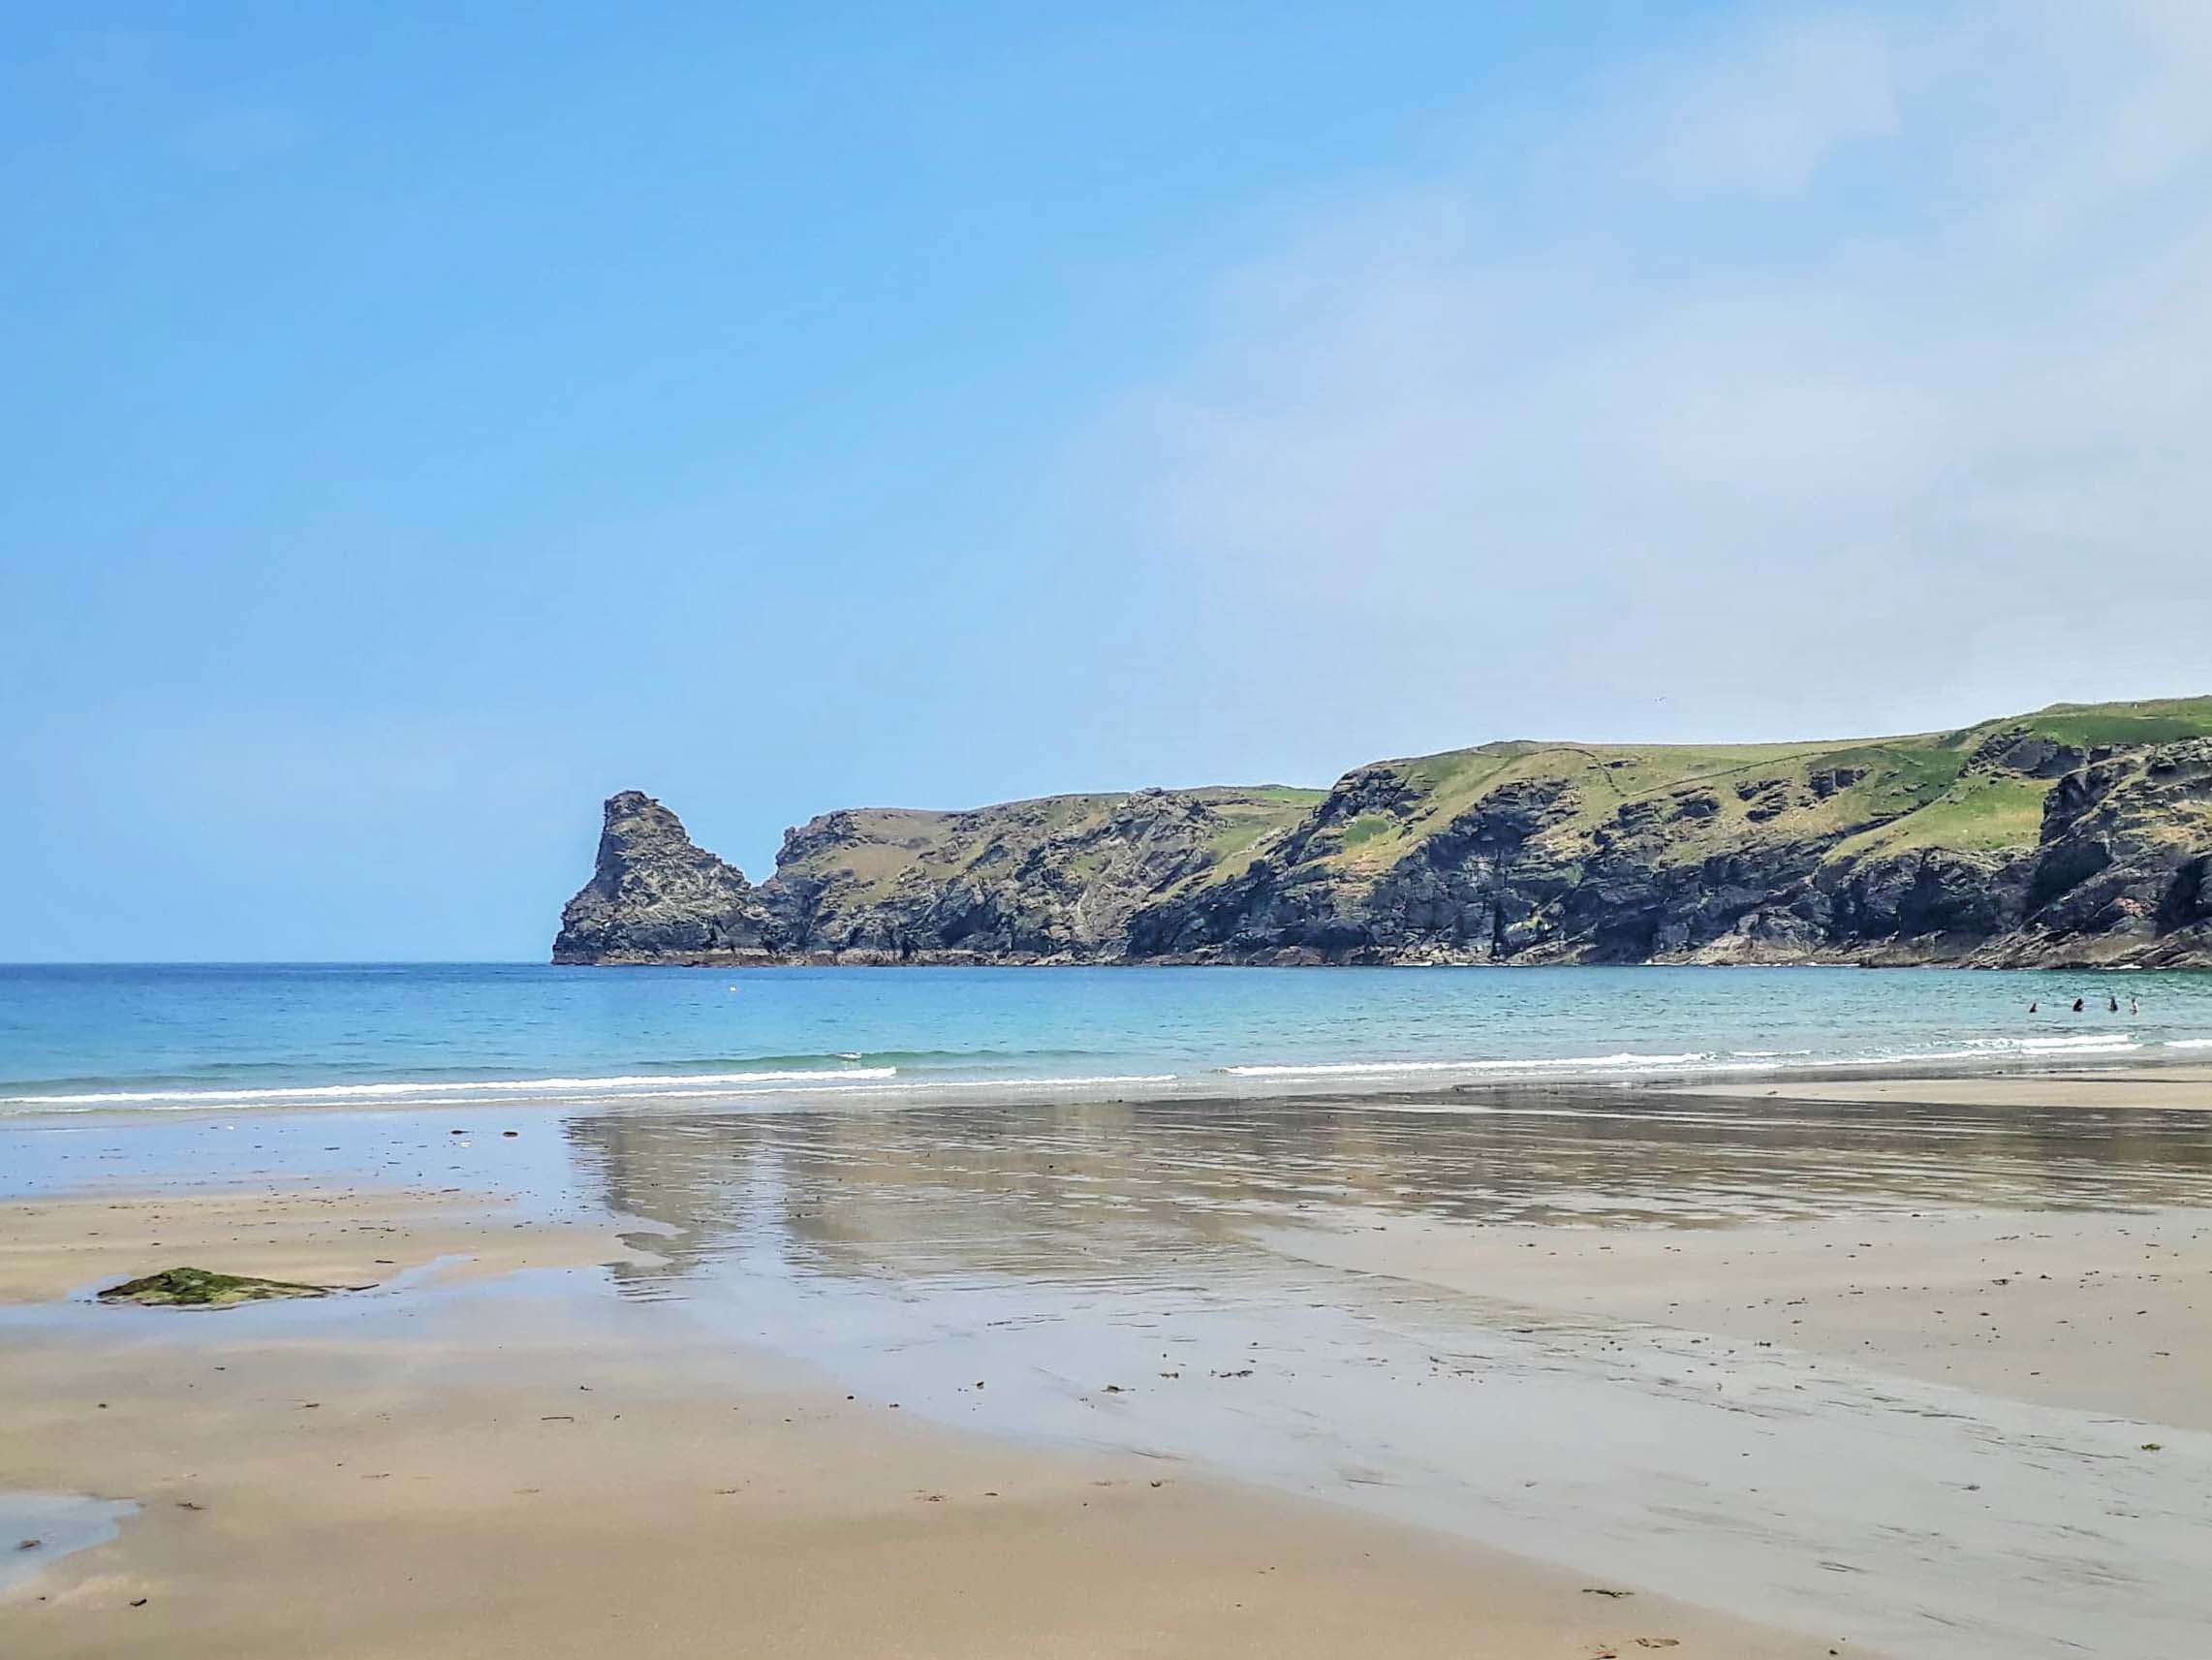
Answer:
(655, 896)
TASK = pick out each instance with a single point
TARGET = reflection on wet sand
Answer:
(1129, 1275)
(1028, 1188)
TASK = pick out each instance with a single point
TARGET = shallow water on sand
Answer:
(38, 1529)
(1101, 1274)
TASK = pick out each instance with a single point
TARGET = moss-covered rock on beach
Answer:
(202, 1288)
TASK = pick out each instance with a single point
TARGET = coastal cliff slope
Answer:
(2081, 833)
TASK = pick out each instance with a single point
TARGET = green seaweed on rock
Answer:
(202, 1287)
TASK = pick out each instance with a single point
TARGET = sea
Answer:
(169, 1038)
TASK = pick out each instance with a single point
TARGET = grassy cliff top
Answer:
(875, 850)
(1977, 789)
(2156, 720)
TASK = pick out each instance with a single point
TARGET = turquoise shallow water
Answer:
(185, 1036)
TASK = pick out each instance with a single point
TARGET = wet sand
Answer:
(2083, 1308)
(2102, 1313)
(334, 1236)
(2133, 1088)
(523, 1466)
(1412, 1374)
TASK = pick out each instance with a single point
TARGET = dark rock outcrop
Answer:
(2078, 835)
(655, 896)
(2123, 861)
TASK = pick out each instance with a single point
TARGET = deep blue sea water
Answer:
(182, 1037)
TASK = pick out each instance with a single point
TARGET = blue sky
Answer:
(427, 419)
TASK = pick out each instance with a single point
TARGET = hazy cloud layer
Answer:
(1839, 365)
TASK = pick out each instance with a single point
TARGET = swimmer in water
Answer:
(2134, 1007)
(2111, 1004)
(2077, 1002)
(2033, 1007)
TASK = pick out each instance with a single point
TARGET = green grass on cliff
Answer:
(1689, 802)
(1724, 782)
(891, 849)
(2157, 721)
(1889, 795)
(1252, 820)
(1983, 814)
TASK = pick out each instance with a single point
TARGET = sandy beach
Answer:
(1807, 1375)
(505, 1472)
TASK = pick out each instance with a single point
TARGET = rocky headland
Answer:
(2081, 834)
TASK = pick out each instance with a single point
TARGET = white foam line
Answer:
(858, 1080)
(1361, 1068)
(2058, 1046)
(634, 1083)
(1743, 1060)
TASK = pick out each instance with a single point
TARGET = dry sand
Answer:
(506, 1468)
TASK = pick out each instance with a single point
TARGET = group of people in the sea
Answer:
(2111, 1004)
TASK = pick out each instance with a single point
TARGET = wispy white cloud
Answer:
(1850, 348)
(1767, 106)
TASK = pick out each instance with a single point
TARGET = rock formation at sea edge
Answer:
(2081, 834)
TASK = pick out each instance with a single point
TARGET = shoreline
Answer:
(1324, 1082)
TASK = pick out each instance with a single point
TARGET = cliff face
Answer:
(1062, 878)
(2082, 833)
(654, 897)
